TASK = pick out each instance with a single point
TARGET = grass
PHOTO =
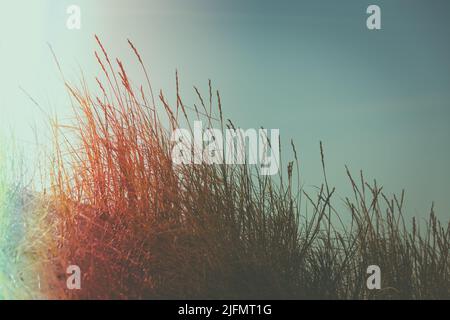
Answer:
(141, 227)
(23, 231)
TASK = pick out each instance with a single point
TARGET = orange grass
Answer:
(140, 227)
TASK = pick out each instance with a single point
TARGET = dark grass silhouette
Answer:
(141, 227)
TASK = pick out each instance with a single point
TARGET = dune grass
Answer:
(141, 227)
(22, 231)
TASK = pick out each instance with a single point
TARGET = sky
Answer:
(378, 99)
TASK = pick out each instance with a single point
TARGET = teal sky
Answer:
(379, 100)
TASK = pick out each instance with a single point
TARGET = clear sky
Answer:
(379, 100)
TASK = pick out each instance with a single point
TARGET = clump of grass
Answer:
(22, 232)
(140, 227)
(9, 282)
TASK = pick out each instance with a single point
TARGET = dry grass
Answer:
(25, 231)
(140, 227)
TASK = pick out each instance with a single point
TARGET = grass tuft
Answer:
(140, 227)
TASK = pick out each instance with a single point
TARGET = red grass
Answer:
(139, 227)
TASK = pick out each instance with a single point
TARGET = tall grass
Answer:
(22, 230)
(141, 227)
